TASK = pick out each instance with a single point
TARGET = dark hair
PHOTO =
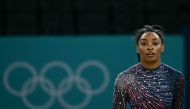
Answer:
(148, 28)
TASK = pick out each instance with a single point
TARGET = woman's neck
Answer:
(150, 65)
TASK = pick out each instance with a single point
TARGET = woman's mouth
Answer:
(150, 54)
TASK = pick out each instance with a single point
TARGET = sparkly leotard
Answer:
(159, 88)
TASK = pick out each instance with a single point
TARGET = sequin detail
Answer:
(160, 88)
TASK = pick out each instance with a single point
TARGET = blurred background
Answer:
(66, 54)
(90, 16)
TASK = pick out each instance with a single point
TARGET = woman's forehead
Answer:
(151, 35)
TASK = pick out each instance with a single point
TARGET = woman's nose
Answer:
(150, 47)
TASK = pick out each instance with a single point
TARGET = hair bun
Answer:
(158, 27)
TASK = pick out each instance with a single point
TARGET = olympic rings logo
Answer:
(51, 90)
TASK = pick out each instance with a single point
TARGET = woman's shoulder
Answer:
(128, 71)
(176, 75)
(122, 79)
(172, 70)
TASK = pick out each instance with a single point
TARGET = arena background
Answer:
(66, 54)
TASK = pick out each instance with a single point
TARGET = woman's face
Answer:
(150, 47)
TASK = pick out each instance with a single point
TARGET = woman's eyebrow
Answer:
(155, 38)
(144, 39)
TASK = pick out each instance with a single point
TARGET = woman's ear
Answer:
(163, 48)
(137, 49)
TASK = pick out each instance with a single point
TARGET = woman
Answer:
(149, 84)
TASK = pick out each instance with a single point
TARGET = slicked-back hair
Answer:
(149, 28)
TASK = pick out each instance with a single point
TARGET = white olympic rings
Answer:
(51, 90)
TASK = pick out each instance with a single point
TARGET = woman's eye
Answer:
(143, 43)
(155, 43)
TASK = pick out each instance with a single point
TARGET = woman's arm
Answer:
(119, 96)
(179, 93)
